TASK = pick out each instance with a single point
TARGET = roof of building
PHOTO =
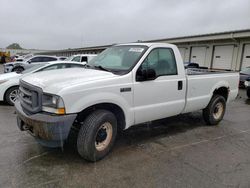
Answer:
(244, 33)
(209, 36)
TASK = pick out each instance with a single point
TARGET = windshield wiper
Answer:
(97, 67)
(101, 68)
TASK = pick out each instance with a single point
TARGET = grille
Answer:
(30, 97)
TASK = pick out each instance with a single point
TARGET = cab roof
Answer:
(148, 44)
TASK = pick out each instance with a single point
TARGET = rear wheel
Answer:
(11, 95)
(97, 135)
(248, 92)
(18, 69)
(215, 110)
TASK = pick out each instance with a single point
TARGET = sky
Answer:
(62, 24)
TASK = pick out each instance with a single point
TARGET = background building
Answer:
(224, 50)
(13, 52)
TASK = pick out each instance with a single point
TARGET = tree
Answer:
(14, 46)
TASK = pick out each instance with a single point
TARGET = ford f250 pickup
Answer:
(125, 85)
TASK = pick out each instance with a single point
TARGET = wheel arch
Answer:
(114, 108)
(221, 88)
(223, 91)
(17, 66)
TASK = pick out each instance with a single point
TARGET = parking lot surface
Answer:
(180, 151)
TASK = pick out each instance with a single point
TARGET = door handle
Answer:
(180, 85)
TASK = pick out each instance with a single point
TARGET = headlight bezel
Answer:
(53, 104)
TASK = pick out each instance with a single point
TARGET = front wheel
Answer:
(18, 69)
(97, 135)
(215, 110)
(11, 95)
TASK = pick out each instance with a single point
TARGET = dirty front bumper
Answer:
(49, 130)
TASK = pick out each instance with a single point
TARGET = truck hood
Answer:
(56, 80)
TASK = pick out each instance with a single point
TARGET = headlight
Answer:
(247, 83)
(2, 81)
(53, 103)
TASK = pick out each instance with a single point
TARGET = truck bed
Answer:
(201, 83)
(200, 71)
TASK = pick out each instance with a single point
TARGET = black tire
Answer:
(18, 69)
(215, 110)
(248, 92)
(87, 144)
(9, 95)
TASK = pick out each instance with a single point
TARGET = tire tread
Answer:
(85, 137)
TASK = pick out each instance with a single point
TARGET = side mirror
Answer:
(29, 61)
(146, 74)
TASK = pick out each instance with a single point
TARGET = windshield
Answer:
(118, 58)
(33, 68)
(245, 70)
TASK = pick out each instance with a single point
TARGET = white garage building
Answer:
(225, 50)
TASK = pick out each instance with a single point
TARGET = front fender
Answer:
(102, 97)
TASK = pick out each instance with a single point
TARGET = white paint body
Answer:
(147, 101)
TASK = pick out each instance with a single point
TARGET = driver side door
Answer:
(163, 95)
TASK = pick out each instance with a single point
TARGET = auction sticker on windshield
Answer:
(136, 50)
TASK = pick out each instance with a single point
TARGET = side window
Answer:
(51, 59)
(52, 67)
(47, 59)
(162, 61)
(35, 59)
(75, 66)
(84, 59)
(62, 58)
(77, 59)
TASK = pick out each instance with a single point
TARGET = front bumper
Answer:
(47, 129)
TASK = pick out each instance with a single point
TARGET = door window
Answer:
(51, 67)
(35, 59)
(162, 61)
(42, 59)
(84, 59)
(47, 59)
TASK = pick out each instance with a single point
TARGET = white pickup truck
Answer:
(125, 85)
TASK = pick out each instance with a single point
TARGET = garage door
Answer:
(246, 56)
(183, 53)
(198, 55)
(223, 57)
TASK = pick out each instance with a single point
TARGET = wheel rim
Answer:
(103, 136)
(13, 95)
(18, 70)
(218, 110)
